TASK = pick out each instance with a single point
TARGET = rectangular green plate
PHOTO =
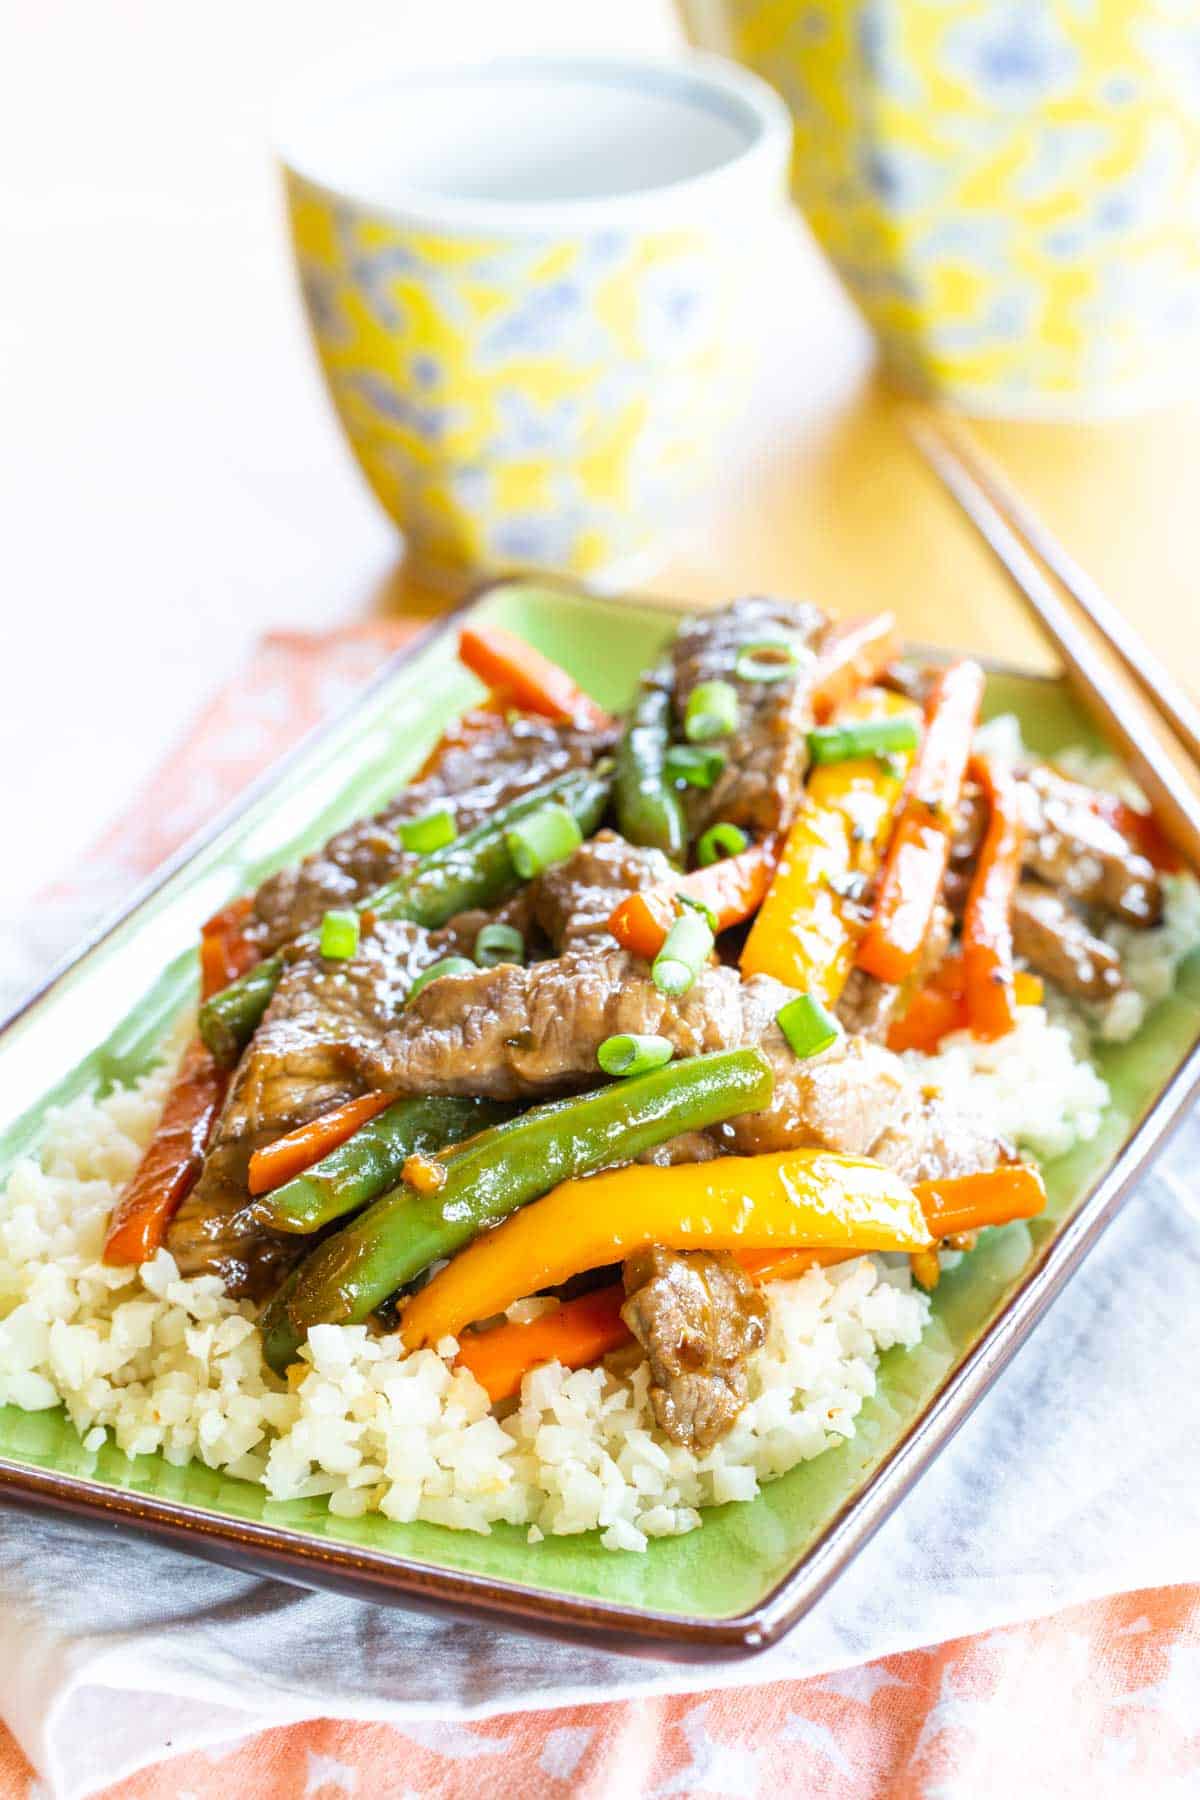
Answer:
(737, 1583)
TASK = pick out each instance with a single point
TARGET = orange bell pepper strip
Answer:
(987, 954)
(799, 1199)
(915, 865)
(731, 889)
(855, 652)
(530, 680)
(580, 1332)
(225, 950)
(807, 928)
(300, 1149)
(171, 1161)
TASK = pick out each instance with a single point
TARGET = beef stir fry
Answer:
(611, 1015)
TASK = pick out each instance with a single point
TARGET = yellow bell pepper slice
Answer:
(807, 927)
(805, 1199)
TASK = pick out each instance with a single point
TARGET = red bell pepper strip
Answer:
(172, 1159)
(987, 927)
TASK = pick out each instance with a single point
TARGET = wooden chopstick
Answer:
(1157, 683)
(1117, 709)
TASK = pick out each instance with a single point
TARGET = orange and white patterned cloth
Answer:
(1093, 1700)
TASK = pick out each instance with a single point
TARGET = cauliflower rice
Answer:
(173, 1365)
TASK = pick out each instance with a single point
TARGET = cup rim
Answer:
(704, 79)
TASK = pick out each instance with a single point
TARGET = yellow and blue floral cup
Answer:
(527, 283)
(1009, 188)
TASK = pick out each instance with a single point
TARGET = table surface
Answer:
(174, 483)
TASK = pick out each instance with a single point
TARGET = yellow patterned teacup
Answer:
(1009, 188)
(527, 285)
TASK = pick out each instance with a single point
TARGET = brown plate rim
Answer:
(291, 1555)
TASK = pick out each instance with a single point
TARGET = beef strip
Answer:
(504, 759)
(294, 1068)
(1053, 939)
(699, 1318)
(1070, 847)
(759, 787)
(513, 1033)
(573, 901)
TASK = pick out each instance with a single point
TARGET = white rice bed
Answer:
(164, 1364)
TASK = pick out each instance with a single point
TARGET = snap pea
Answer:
(648, 809)
(403, 1232)
(370, 1162)
(475, 870)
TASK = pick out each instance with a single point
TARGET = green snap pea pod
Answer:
(475, 870)
(648, 808)
(402, 1233)
(371, 1161)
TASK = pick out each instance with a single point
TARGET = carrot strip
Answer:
(580, 1332)
(171, 1162)
(940, 1007)
(300, 1149)
(225, 950)
(987, 928)
(732, 890)
(855, 652)
(969, 1202)
(915, 865)
(533, 682)
(577, 1333)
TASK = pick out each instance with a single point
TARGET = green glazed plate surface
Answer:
(100, 1023)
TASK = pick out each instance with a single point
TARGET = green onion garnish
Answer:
(499, 944)
(432, 831)
(541, 840)
(807, 1026)
(706, 912)
(634, 1053)
(449, 965)
(873, 737)
(696, 764)
(711, 712)
(339, 933)
(774, 659)
(688, 946)
(718, 841)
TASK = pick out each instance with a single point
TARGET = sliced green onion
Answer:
(541, 840)
(706, 912)
(872, 737)
(449, 965)
(432, 831)
(711, 711)
(688, 946)
(339, 933)
(773, 659)
(696, 764)
(634, 1053)
(718, 841)
(499, 944)
(807, 1026)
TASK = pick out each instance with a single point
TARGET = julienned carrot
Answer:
(300, 1149)
(171, 1162)
(987, 927)
(732, 890)
(580, 1332)
(514, 668)
(855, 652)
(970, 1202)
(940, 1007)
(225, 950)
(1141, 829)
(915, 865)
